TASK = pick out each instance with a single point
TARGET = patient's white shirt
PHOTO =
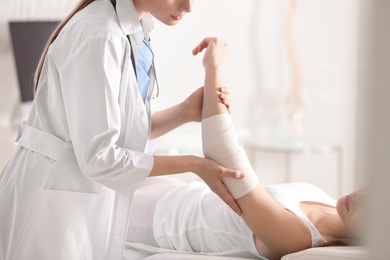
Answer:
(192, 218)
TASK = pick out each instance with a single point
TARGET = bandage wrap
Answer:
(220, 144)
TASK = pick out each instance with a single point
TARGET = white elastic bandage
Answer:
(220, 144)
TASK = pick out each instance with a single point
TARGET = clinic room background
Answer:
(261, 36)
(342, 58)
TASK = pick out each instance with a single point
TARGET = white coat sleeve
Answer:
(90, 82)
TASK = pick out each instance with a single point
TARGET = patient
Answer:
(276, 220)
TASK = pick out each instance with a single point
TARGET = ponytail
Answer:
(54, 35)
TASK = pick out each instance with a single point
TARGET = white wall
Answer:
(257, 70)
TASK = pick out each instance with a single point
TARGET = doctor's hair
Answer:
(79, 7)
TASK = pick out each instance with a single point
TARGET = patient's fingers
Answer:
(215, 54)
(202, 45)
(205, 43)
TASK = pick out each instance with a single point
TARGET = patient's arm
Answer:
(187, 111)
(277, 231)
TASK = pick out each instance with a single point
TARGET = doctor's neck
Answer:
(140, 9)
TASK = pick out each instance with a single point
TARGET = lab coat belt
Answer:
(40, 142)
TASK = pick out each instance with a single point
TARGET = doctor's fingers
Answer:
(224, 95)
(224, 90)
(226, 99)
(225, 195)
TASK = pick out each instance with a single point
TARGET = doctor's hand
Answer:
(224, 95)
(212, 174)
(193, 104)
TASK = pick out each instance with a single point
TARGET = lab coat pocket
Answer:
(59, 226)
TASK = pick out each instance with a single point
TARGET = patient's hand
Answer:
(216, 51)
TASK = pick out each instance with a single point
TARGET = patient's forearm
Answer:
(212, 104)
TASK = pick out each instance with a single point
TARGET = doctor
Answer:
(66, 191)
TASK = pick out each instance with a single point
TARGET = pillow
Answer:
(178, 256)
(325, 253)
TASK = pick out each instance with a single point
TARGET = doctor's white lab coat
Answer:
(66, 191)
